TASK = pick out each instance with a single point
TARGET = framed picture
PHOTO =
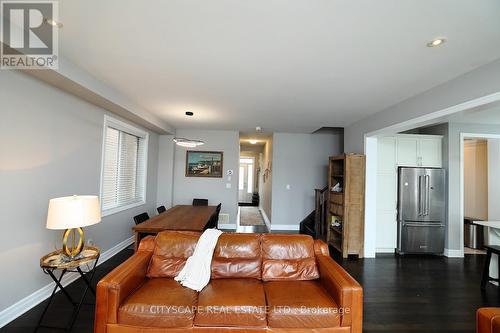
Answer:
(204, 163)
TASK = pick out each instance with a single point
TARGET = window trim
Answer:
(124, 127)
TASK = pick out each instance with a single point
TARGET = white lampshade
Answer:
(73, 212)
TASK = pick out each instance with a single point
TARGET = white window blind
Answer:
(124, 166)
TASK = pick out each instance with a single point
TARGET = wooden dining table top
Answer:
(180, 217)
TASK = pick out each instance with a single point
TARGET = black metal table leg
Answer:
(89, 286)
(76, 306)
(58, 283)
(87, 282)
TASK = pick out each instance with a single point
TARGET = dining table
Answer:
(180, 217)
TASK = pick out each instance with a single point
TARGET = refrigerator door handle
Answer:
(420, 224)
(419, 196)
(427, 194)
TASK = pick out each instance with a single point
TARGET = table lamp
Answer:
(72, 214)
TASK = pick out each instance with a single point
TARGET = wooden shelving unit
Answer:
(348, 171)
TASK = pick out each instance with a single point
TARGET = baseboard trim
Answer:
(32, 300)
(226, 226)
(385, 250)
(287, 227)
(266, 219)
(453, 253)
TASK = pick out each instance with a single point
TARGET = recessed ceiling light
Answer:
(252, 141)
(436, 42)
(258, 129)
(52, 22)
(189, 113)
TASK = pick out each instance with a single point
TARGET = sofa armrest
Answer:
(116, 286)
(347, 292)
(488, 320)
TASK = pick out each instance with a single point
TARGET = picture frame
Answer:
(204, 164)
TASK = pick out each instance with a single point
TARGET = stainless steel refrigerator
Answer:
(421, 210)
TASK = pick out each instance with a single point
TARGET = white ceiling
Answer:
(285, 65)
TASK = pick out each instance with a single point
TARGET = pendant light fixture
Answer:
(188, 143)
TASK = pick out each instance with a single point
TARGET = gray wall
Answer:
(454, 223)
(265, 187)
(493, 179)
(477, 83)
(165, 170)
(301, 161)
(214, 189)
(50, 146)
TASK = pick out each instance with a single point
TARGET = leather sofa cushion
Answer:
(161, 303)
(232, 303)
(171, 251)
(300, 304)
(288, 257)
(237, 256)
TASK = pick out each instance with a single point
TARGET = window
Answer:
(124, 165)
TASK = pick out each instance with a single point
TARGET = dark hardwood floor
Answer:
(422, 293)
(401, 294)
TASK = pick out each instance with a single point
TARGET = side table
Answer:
(84, 264)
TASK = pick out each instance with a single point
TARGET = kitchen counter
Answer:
(491, 224)
(493, 238)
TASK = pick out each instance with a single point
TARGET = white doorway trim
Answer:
(371, 152)
(371, 197)
(463, 136)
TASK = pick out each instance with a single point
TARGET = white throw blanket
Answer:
(196, 273)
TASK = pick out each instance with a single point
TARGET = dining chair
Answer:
(214, 219)
(200, 202)
(161, 209)
(141, 218)
(217, 212)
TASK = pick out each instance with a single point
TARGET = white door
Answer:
(430, 152)
(245, 181)
(407, 152)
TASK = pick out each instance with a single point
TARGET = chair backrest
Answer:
(237, 256)
(295, 252)
(214, 219)
(200, 202)
(172, 248)
(161, 209)
(141, 218)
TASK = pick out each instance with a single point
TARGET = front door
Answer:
(246, 182)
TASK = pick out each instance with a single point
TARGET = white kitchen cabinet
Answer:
(431, 152)
(407, 151)
(419, 150)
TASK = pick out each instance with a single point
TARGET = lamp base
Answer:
(73, 250)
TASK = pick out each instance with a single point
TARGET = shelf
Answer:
(338, 230)
(335, 246)
(337, 176)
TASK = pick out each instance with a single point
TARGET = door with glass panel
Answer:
(246, 182)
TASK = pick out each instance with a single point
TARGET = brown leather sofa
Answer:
(488, 320)
(259, 283)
